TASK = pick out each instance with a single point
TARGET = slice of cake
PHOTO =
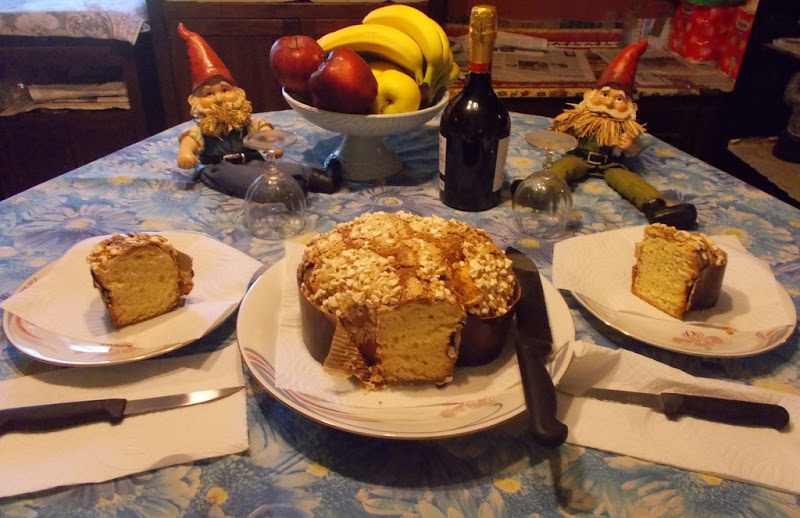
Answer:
(404, 287)
(139, 276)
(677, 271)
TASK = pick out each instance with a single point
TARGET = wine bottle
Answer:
(474, 130)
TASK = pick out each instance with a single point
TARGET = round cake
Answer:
(403, 288)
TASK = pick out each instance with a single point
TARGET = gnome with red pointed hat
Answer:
(223, 116)
(604, 124)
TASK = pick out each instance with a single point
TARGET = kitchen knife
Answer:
(534, 343)
(674, 405)
(40, 418)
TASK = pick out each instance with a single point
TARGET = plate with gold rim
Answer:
(257, 331)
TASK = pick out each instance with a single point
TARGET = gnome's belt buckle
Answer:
(234, 158)
(596, 158)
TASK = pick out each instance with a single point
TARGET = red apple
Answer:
(343, 83)
(293, 59)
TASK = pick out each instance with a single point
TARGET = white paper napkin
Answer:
(74, 307)
(296, 369)
(761, 456)
(99, 452)
(599, 265)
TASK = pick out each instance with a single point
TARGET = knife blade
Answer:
(721, 410)
(533, 344)
(40, 418)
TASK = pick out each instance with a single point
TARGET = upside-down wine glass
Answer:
(274, 205)
(542, 202)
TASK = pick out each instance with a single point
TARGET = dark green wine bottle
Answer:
(475, 126)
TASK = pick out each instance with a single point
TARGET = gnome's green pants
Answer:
(629, 185)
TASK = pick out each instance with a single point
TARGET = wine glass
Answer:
(542, 202)
(274, 205)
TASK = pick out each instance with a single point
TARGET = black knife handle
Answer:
(43, 418)
(540, 398)
(725, 410)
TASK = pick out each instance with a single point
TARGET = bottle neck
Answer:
(478, 78)
(482, 35)
(480, 68)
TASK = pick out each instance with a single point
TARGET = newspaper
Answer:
(101, 96)
(551, 66)
(44, 93)
(518, 57)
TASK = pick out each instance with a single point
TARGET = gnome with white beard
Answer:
(606, 128)
(223, 118)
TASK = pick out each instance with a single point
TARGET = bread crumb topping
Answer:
(117, 243)
(709, 252)
(381, 260)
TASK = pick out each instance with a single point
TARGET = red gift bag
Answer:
(699, 31)
(730, 58)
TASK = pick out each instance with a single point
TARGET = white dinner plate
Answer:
(696, 339)
(57, 349)
(51, 347)
(256, 330)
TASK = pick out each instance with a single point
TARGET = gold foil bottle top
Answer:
(482, 33)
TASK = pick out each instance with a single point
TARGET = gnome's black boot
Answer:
(682, 216)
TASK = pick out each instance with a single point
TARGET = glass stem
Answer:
(272, 162)
(548, 160)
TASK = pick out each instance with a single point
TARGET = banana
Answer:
(446, 79)
(447, 62)
(391, 44)
(455, 70)
(418, 26)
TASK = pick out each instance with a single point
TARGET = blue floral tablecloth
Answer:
(296, 467)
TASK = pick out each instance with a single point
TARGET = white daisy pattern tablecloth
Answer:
(299, 468)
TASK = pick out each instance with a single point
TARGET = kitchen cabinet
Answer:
(41, 144)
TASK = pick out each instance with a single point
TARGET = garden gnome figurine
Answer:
(222, 112)
(605, 125)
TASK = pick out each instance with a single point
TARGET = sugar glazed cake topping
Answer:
(139, 276)
(405, 278)
(677, 271)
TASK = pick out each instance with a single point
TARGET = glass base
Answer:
(541, 225)
(274, 206)
(542, 205)
(276, 226)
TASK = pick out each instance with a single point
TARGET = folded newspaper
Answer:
(100, 96)
(518, 57)
(60, 92)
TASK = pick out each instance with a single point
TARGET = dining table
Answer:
(296, 465)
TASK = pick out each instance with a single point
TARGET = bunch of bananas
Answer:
(407, 37)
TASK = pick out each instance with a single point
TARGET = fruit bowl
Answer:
(363, 154)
